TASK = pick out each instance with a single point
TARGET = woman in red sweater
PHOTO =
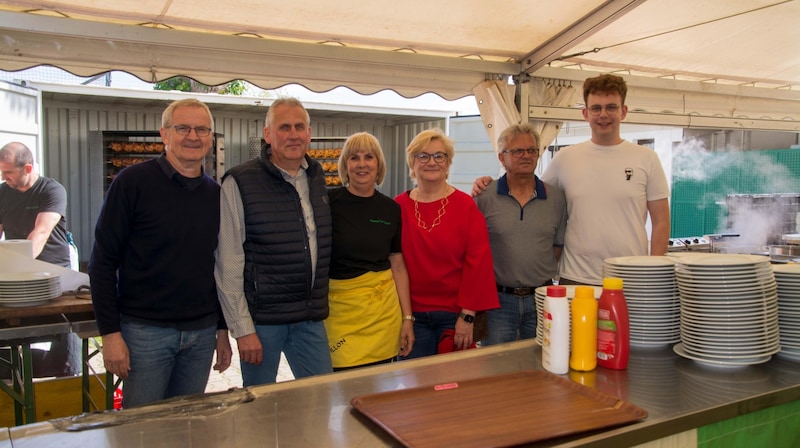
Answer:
(446, 249)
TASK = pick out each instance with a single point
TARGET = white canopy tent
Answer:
(717, 63)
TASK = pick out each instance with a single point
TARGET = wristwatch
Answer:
(409, 317)
(468, 318)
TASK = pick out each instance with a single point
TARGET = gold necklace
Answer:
(436, 221)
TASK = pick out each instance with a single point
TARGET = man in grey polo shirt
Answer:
(526, 219)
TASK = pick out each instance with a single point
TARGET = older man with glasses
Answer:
(152, 266)
(526, 220)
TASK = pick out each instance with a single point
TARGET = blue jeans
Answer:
(166, 362)
(515, 319)
(305, 345)
(428, 328)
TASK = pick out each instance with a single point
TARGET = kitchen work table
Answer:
(679, 395)
(22, 326)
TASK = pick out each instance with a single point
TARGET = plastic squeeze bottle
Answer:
(613, 332)
(555, 340)
(583, 356)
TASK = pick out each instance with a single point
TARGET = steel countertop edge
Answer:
(679, 395)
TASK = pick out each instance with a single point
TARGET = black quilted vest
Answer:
(277, 269)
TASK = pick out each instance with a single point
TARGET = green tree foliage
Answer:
(184, 84)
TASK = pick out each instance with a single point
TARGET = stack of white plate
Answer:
(28, 288)
(539, 296)
(729, 309)
(651, 292)
(787, 276)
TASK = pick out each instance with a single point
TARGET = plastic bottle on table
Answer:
(583, 356)
(613, 331)
(555, 341)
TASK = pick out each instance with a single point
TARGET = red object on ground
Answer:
(118, 399)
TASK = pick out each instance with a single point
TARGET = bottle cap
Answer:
(584, 292)
(556, 291)
(612, 283)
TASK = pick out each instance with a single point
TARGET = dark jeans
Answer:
(428, 329)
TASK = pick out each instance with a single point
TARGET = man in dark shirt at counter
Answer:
(34, 207)
(152, 266)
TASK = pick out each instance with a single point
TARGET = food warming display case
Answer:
(124, 148)
(326, 150)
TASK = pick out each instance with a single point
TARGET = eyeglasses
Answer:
(517, 153)
(597, 109)
(424, 157)
(201, 131)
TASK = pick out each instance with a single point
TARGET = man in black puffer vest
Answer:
(274, 252)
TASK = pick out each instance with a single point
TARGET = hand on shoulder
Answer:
(480, 184)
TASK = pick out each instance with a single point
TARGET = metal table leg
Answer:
(21, 390)
(109, 385)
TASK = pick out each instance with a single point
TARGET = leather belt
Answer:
(522, 291)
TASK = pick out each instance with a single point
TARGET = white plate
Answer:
(716, 278)
(655, 306)
(734, 342)
(681, 351)
(719, 306)
(641, 260)
(712, 260)
(735, 329)
(653, 343)
(733, 296)
(766, 338)
(646, 285)
(707, 351)
(788, 269)
(722, 276)
(708, 322)
(669, 328)
(26, 276)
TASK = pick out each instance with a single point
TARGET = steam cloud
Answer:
(758, 221)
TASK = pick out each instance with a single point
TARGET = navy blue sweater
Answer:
(153, 255)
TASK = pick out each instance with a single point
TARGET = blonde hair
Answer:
(421, 141)
(358, 142)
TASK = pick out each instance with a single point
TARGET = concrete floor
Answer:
(232, 377)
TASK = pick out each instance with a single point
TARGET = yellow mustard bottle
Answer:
(583, 356)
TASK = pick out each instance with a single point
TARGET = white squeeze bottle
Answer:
(555, 341)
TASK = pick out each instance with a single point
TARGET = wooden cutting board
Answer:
(497, 411)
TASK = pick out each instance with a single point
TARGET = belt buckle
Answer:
(522, 291)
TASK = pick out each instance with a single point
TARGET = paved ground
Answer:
(232, 377)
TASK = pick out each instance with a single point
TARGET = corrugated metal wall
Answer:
(69, 160)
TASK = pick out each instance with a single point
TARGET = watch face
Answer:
(468, 318)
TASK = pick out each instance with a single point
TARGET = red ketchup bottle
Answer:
(613, 332)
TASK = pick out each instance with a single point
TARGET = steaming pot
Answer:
(784, 253)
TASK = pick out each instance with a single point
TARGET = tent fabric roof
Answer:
(412, 47)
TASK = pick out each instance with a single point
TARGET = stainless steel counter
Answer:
(678, 393)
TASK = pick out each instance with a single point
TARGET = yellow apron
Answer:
(365, 319)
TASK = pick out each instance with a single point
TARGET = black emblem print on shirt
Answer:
(628, 173)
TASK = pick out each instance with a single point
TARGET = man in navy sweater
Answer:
(152, 266)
